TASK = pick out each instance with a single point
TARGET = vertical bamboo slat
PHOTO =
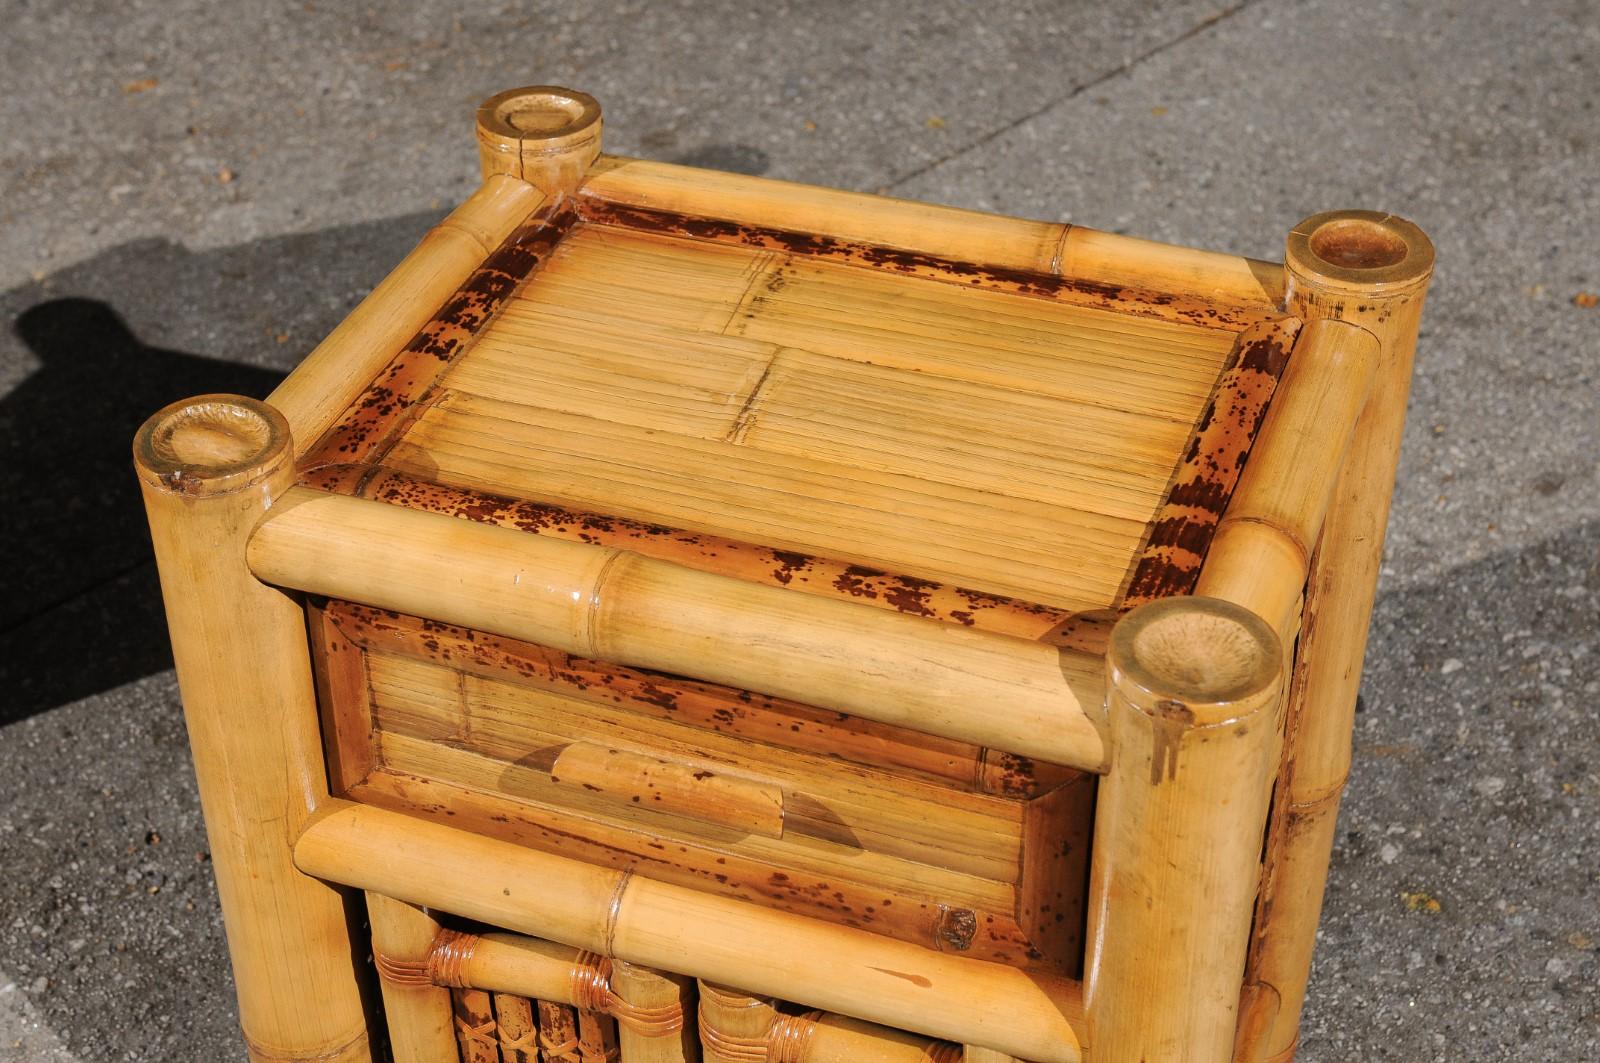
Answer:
(597, 1037)
(1192, 711)
(517, 1028)
(476, 1034)
(418, 1012)
(1371, 270)
(558, 1032)
(208, 468)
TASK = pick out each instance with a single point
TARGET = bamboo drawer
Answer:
(932, 841)
(841, 627)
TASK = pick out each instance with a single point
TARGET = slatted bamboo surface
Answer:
(999, 441)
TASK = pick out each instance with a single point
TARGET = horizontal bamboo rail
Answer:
(994, 690)
(965, 235)
(1261, 553)
(1029, 1014)
(334, 374)
(736, 1028)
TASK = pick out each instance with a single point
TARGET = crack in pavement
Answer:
(1077, 90)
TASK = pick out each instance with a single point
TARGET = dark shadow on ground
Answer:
(109, 341)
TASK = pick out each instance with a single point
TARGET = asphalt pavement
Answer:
(192, 194)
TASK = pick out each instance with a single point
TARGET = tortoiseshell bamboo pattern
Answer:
(652, 521)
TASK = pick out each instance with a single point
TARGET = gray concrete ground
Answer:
(191, 194)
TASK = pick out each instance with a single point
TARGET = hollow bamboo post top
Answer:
(543, 134)
(1201, 661)
(1348, 251)
(212, 445)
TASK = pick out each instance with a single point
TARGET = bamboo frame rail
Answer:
(1372, 270)
(736, 1028)
(1261, 553)
(333, 375)
(208, 468)
(651, 1008)
(1193, 709)
(970, 236)
(994, 690)
(1030, 1014)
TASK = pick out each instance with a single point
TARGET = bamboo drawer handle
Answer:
(687, 790)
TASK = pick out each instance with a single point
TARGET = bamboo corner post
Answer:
(209, 467)
(1193, 708)
(544, 135)
(1371, 270)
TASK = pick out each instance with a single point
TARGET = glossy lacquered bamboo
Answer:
(1262, 549)
(1193, 709)
(947, 232)
(1029, 1014)
(332, 376)
(696, 792)
(209, 468)
(996, 690)
(738, 1028)
(544, 135)
(418, 1012)
(1371, 270)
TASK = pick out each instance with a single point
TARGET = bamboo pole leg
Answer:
(542, 134)
(1370, 270)
(1193, 712)
(209, 467)
(645, 1029)
(421, 1026)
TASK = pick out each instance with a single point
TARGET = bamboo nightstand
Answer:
(678, 601)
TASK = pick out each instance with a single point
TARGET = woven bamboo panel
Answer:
(1003, 442)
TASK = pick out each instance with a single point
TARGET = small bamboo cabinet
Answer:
(685, 616)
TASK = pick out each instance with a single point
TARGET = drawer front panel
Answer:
(804, 809)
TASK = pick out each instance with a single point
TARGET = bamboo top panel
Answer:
(935, 427)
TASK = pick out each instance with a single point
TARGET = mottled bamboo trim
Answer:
(1203, 483)
(380, 414)
(1077, 291)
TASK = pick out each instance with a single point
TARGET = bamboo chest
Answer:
(681, 615)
